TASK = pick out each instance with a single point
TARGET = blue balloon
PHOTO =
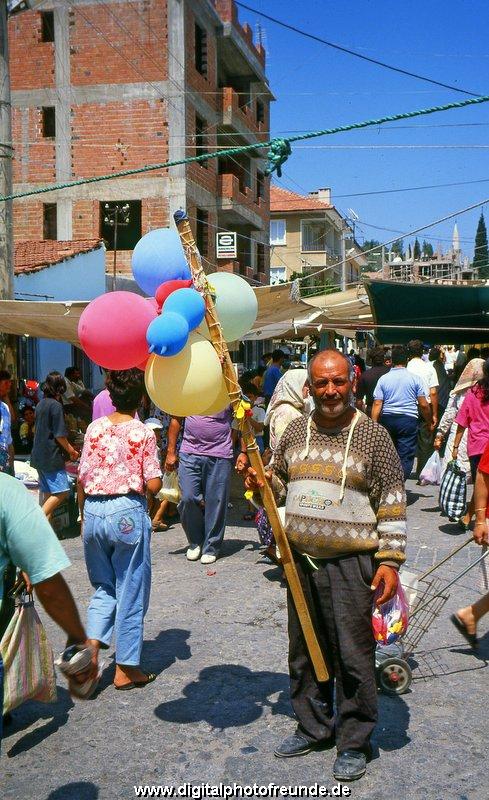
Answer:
(187, 302)
(159, 257)
(167, 334)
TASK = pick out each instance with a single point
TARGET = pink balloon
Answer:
(112, 329)
(154, 304)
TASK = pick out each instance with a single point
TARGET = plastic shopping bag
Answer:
(390, 620)
(431, 472)
(453, 491)
(27, 659)
(170, 489)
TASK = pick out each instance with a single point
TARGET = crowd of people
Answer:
(339, 441)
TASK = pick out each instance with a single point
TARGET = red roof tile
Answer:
(34, 256)
(283, 200)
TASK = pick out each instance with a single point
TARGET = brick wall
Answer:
(137, 32)
(113, 136)
(31, 61)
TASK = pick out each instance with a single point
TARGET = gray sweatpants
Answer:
(204, 485)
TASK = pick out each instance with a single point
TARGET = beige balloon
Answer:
(188, 383)
(220, 403)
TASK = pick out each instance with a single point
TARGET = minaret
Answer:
(456, 239)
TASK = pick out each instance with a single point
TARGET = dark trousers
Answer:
(424, 449)
(403, 431)
(339, 598)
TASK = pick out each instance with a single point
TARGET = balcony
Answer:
(241, 118)
(261, 277)
(236, 203)
(237, 49)
(236, 267)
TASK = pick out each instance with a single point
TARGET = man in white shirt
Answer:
(427, 373)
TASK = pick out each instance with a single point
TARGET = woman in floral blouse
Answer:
(118, 464)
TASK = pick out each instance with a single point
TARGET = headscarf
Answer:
(288, 390)
(286, 404)
(472, 373)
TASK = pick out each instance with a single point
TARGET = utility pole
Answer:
(6, 249)
(115, 216)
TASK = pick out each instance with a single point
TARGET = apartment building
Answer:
(98, 88)
(307, 233)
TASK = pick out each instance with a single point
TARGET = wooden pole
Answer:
(235, 396)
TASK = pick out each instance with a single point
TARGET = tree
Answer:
(409, 253)
(481, 252)
(374, 257)
(417, 250)
(398, 248)
(427, 249)
(314, 284)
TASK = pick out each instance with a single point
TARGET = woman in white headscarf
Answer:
(447, 426)
(289, 401)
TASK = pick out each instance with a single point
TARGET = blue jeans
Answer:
(116, 540)
(204, 485)
(404, 433)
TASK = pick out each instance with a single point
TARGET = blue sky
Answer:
(318, 87)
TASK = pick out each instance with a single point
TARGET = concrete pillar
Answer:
(176, 111)
(63, 118)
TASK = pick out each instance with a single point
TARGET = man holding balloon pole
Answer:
(345, 518)
(204, 471)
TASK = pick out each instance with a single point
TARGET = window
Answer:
(48, 115)
(278, 275)
(200, 50)
(200, 139)
(313, 235)
(127, 215)
(49, 221)
(202, 232)
(47, 26)
(277, 231)
(260, 112)
(260, 186)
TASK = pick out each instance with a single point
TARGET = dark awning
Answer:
(435, 313)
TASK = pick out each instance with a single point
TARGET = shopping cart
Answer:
(427, 596)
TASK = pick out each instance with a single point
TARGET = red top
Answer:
(484, 467)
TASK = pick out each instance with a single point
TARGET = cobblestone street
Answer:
(217, 639)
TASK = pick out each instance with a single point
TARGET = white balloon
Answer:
(236, 304)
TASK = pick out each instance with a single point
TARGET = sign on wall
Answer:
(226, 244)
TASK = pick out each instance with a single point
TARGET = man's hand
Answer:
(438, 442)
(73, 454)
(389, 577)
(434, 424)
(480, 533)
(251, 480)
(242, 464)
(171, 462)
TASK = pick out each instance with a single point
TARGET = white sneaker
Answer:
(208, 558)
(193, 553)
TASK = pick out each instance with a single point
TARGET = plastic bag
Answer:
(170, 488)
(390, 620)
(453, 491)
(27, 659)
(431, 472)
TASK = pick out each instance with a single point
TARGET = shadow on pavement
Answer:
(391, 732)
(56, 714)
(78, 790)
(228, 696)
(158, 655)
(453, 529)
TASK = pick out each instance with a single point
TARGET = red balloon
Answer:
(166, 288)
(142, 365)
(112, 329)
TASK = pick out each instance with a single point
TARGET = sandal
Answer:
(471, 638)
(150, 677)
(159, 527)
(249, 517)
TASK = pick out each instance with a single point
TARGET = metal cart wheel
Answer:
(394, 676)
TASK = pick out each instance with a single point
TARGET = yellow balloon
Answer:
(220, 403)
(188, 383)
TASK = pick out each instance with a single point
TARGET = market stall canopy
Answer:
(59, 320)
(438, 313)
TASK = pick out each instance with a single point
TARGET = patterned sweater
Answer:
(328, 516)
